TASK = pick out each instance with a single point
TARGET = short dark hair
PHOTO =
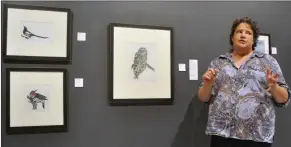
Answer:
(252, 23)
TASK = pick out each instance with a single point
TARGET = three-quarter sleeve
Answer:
(276, 69)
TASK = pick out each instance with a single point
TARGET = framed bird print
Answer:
(36, 100)
(264, 43)
(140, 65)
(36, 34)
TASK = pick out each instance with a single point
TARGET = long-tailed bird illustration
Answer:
(140, 62)
(27, 34)
(35, 98)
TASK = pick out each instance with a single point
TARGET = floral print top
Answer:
(241, 107)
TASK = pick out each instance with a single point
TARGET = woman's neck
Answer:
(241, 54)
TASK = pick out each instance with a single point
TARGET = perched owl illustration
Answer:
(140, 62)
(35, 98)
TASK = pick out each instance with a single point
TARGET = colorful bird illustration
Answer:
(35, 98)
(27, 34)
(140, 62)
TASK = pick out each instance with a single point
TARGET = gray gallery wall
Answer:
(201, 31)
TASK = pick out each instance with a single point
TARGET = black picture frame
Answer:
(36, 49)
(264, 43)
(26, 116)
(126, 86)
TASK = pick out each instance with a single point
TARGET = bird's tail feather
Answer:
(150, 67)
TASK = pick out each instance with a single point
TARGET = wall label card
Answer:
(182, 67)
(79, 82)
(193, 69)
(81, 36)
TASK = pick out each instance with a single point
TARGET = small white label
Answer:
(78, 82)
(81, 36)
(182, 67)
(193, 69)
(274, 50)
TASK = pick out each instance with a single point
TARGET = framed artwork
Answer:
(36, 34)
(36, 100)
(140, 65)
(264, 43)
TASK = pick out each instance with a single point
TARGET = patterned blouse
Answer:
(240, 106)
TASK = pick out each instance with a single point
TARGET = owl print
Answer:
(140, 62)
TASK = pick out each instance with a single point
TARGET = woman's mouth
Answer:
(242, 41)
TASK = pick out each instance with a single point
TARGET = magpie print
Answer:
(27, 34)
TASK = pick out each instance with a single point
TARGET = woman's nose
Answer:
(243, 35)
